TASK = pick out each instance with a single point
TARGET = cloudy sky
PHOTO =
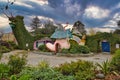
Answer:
(92, 13)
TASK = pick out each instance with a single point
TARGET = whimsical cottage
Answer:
(62, 39)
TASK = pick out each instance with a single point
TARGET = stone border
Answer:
(44, 53)
(75, 55)
(64, 54)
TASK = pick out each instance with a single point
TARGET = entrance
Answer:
(105, 47)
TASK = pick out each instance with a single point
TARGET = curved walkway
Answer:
(54, 60)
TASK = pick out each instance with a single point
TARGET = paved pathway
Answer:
(53, 60)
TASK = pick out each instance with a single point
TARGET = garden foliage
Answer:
(17, 63)
(76, 48)
(94, 41)
(81, 70)
(115, 62)
(22, 36)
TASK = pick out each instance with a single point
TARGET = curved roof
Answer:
(59, 34)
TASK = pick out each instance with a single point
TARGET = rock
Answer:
(100, 76)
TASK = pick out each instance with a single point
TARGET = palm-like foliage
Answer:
(104, 67)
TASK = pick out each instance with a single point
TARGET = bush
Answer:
(84, 49)
(26, 73)
(65, 50)
(104, 67)
(79, 69)
(73, 46)
(4, 49)
(43, 64)
(13, 45)
(17, 63)
(42, 72)
(115, 62)
(92, 43)
(43, 48)
(4, 71)
(76, 48)
(84, 75)
(49, 74)
(1, 54)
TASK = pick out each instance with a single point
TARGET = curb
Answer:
(64, 54)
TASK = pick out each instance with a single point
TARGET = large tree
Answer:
(24, 39)
(80, 26)
(92, 31)
(117, 31)
(48, 28)
(118, 23)
(36, 23)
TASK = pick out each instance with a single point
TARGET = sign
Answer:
(117, 46)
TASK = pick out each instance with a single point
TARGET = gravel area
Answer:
(54, 60)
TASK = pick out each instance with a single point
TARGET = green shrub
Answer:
(73, 46)
(26, 73)
(4, 49)
(49, 74)
(13, 45)
(92, 43)
(42, 73)
(13, 77)
(115, 62)
(76, 48)
(84, 49)
(25, 77)
(1, 54)
(77, 69)
(43, 64)
(43, 48)
(104, 67)
(65, 50)
(85, 75)
(4, 71)
(17, 63)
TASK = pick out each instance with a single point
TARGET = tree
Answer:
(48, 29)
(92, 31)
(1, 35)
(35, 23)
(23, 37)
(80, 27)
(117, 31)
(118, 23)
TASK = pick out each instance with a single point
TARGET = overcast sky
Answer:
(92, 13)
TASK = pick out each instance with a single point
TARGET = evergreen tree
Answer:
(35, 23)
(117, 31)
(118, 23)
(49, 27)
(80, 26)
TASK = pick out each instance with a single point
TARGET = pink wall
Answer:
(64, 43)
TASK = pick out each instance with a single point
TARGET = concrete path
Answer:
(53, 60)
